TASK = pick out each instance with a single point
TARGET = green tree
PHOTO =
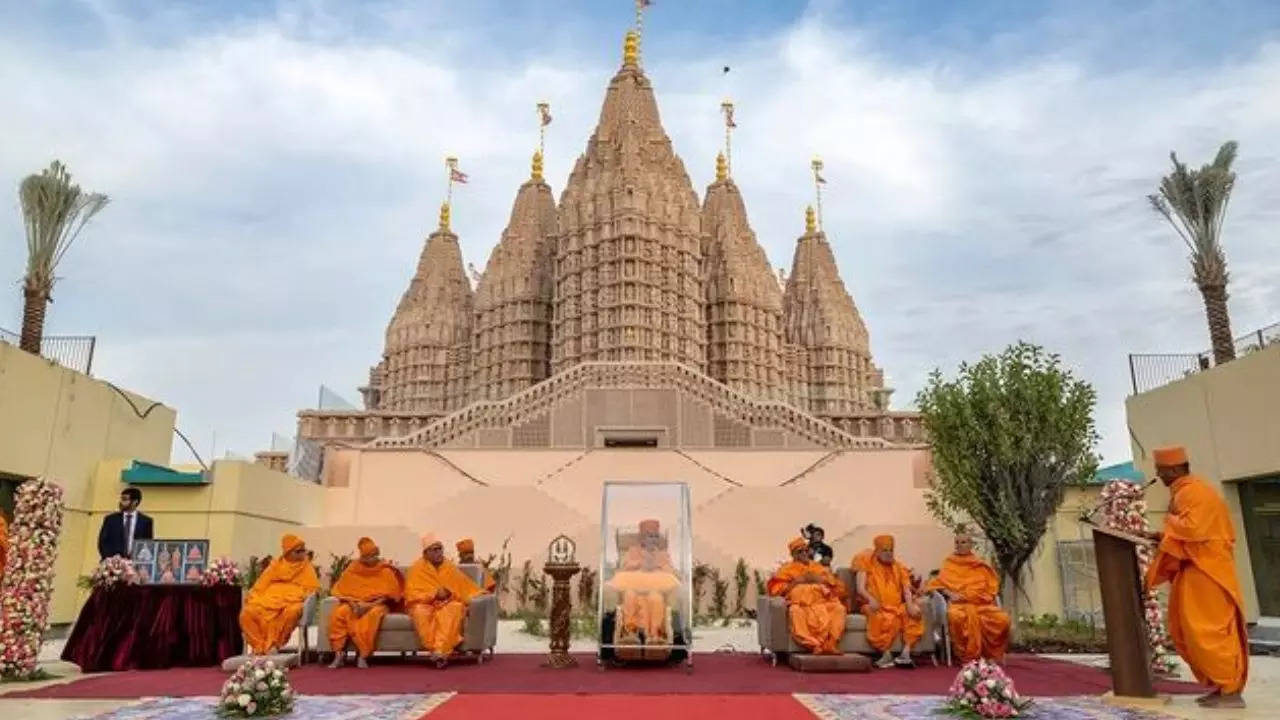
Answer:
(1195, 204)
(1009, 434)
(54, 211)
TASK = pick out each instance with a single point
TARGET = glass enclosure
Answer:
(646, 569)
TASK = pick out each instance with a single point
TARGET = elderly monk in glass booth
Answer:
(645, 577)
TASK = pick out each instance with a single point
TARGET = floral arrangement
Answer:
(28, 578)
(111, 572)
(982, 690)
(258, 689)
(222, 571)
(1124, 508)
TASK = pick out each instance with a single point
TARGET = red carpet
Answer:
(743, 674)
(621, 707)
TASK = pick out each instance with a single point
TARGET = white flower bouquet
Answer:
(983, 690)
(111, 572)
(260, 688)
(222, 571)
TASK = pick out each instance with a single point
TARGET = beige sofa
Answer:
(479, 630)
(773, 629)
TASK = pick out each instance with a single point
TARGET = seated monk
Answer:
(366, 590)
(467, 556)
(274, 605)
(814, 608)
(979, 628)
(437, 593)
(645, 576)
(891, 609)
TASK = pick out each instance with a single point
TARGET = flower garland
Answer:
(982, 690)
(111, 572)
(28, 579)
(222, 571)
(1124, 508)
(257, 689)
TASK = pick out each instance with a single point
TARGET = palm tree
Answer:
(54, 211)
(1195, 204)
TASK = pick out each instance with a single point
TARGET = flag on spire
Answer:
(544, 111)
(458, 176)
(728, 114)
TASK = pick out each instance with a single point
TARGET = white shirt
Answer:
(129, 521)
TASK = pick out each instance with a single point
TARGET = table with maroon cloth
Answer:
(151, 627)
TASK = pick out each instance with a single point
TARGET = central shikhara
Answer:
(634, 283)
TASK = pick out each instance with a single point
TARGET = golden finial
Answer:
(810, 221)
(630, 48)
(722, 167)
(444, 216)
(537, 166)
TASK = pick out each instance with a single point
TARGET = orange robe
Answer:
(979, 628)
(274, 604)
(1206, 613)
(888, 585)
(644, 577)
(815, 611)
(438, 622)
(362, 583)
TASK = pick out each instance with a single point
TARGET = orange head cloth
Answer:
(1170, 456)
(649, 526)
(429, 539)
(367, 546)
(797, 544)
(466, 545)
(882, 542)
(290, 542)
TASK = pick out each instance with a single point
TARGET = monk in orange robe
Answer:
(274, 604)
(979, 628)
(1195, 553)
(814, 609)
(890, 607)
(645, 576)
(366, 590)
(437, 594)
(467, 556)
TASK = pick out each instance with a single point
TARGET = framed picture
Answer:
(170, 562)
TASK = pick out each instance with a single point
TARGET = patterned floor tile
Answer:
(311, 707)
(917, 707)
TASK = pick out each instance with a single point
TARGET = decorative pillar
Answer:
(561, 566)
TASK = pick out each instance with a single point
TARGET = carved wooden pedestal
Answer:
(561, 611)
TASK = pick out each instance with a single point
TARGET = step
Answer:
(1264, 647)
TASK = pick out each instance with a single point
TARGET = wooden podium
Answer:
(1122, 609)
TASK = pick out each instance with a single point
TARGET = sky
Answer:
(275, 165)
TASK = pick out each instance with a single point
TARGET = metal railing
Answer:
(74, 352)
(1148, 371)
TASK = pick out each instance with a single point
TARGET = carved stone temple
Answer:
(630, 313)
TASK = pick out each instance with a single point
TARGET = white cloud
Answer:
(272, 188)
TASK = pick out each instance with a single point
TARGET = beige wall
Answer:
(59, 424)
(1226, 417)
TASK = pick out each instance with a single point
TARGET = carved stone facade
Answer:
(629, 291)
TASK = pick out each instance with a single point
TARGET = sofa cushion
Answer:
(396, 621)
(855, 621)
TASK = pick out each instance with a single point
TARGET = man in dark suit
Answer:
(121, 529)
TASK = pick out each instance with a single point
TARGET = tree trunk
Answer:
(34, 302)
(1215, 310)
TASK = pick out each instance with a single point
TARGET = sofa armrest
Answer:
(327, 606)
(771, 623)
(480, 631)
